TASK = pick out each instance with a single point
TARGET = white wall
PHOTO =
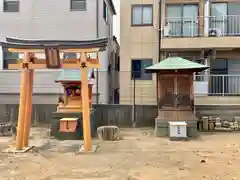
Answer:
(1, 58)
(44, 19)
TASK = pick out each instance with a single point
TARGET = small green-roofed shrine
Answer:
(176, 64)
(70, 75)
(71, 100)
(175, 93)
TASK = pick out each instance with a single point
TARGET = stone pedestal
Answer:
(162, 128)
(55, 125)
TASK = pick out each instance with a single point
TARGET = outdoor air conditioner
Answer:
(214, 32)
(166, 31)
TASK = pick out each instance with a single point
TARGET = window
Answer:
(105, 11)
(138, 69)
(70, 56)
(225, 18)
(9, 58)
(11, 5)
(182, 20)
(78, 5)
(142, 15)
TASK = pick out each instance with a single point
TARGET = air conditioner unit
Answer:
(166, 31)
(214, 32)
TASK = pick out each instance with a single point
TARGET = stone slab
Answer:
(178, 138)
(79, 179)
(12, 149)
(162, 128)
(93, 150)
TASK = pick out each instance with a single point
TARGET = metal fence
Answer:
(217, 85)
(226, 25)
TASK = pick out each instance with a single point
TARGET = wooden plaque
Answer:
(52, 57)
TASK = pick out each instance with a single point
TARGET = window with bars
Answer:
(182, 19)
(225, 18)
(78, 5)
(10, 5)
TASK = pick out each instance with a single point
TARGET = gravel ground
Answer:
(139, 156)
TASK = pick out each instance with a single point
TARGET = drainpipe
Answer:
(159, 46)
(160, 30)
(97, 36)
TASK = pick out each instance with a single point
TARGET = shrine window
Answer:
(78, 5)
(10, 5)
(138, 69)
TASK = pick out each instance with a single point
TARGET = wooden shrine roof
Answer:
(61, 44)
(71, 75)
(176, 64)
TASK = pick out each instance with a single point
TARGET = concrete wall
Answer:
(120, 115)
(43, 19)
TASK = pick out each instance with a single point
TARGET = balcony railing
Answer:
(202, 26)
(217, 85)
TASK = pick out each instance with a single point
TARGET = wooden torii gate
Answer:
(52, 50)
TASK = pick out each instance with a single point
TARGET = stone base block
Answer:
(162, 128)
(178, 138)
(13, 149)
(92, 150)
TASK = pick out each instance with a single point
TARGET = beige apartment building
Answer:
(203, 31)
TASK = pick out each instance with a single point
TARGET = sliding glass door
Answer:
(225, 17)
(218, 19)
(182, 20)
(234, 18)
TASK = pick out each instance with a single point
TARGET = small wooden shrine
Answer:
(72, 99)
(175, 89)
(52, 50)
(71, 102)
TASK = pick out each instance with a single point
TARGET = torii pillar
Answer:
(25, 104)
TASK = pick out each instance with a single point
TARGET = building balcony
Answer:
(217, 89)
(201, 33)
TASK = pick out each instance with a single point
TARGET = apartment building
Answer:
(204, 31)
(57, 20)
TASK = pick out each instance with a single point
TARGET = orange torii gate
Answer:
(52, 50)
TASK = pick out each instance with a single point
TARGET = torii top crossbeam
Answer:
(52, 50)
(23, 45)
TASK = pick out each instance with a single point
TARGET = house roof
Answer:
(62, 44)
(70, 75)
(112, 7)
(173, 64)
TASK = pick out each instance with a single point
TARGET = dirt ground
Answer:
(140, 156)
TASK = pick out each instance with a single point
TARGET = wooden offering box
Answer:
(68, 124)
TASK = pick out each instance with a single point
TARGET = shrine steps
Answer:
(176, 115)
